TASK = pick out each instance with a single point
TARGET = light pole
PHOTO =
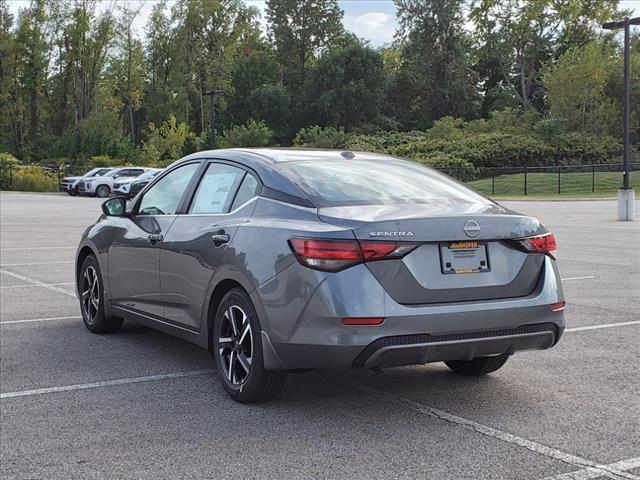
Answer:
(213, 94)
(626, 195)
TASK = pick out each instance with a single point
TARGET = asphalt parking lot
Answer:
(141, 404)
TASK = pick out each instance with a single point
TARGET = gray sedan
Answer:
(281, 259)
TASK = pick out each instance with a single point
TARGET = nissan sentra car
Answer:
(282, 259)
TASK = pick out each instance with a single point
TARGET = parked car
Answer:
(279, 260)
(70, 184)
(130, 186)
(103, 185)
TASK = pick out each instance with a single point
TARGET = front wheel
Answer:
(102, 191)
(237, 350)
(478, 366)
(73, 192)
(91, 291)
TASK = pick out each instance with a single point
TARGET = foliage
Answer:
(34, 179)
(271, 103)
(436, 78)
(104, 161)
(251, 134)
(299, 29)
(7, 164)
(77, 81)
(319, 137)
(95, 135)
(577, 89)
(515, 39)
(345, 87)
(164, 144)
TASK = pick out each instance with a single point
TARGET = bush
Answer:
(318, 137)
(104, 161)
(451, 165)
(548, 128)
(165, 144)
(34, 179)
(251, 134)
(7, 166)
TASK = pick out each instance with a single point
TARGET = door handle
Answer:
(155, 238)
(220, 238)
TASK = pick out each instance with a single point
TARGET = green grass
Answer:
(572, 185)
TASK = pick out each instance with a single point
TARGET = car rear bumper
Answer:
(409, 334)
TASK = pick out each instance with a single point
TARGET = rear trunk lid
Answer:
(464, 253)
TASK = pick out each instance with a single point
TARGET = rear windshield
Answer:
(375, 182)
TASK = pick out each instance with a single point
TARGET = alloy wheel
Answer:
(90, 294)
(235, 345)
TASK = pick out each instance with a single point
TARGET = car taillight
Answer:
(540, 244)
(557, 307)
(335, 255)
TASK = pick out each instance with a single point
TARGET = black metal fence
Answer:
(37, 177)
(549, 180)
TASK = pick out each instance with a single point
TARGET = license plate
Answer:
(464, 257)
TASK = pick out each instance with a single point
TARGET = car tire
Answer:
(478, 366)
(237, 351)
(91, 294)
(73, 192)
(102, 191)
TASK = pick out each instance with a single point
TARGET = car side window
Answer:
(164, 197)
(248, 189)
(216, 189)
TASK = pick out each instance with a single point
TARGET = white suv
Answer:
(70, 184)
(102, 186)
(121, 186)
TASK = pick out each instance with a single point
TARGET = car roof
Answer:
(287, 154)
(264, 162)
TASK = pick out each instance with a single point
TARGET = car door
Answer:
(197, 241)
(134, 254)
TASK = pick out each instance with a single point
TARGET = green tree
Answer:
(516, 39)
(576, 89)
(300, 30)
(9, 126)
(436, 78)
(160, 93)
(125, 76)
(252, 69)
(271, 103)
(345, 87)
(207, 38)
(251, 134)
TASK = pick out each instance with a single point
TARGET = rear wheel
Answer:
(237, 350)
(478, 366)
(103, 191)
(91, 291)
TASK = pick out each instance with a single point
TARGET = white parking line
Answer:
(590, 473)
(107, 383)
(32, 320)
(604, 470)
(13, 249)
(578, 278)
(604, 325)
(29, 264)
(33, 285)
(33, 281)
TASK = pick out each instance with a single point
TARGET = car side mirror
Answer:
(115, 207)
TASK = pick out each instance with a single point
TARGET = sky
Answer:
(373, 20)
